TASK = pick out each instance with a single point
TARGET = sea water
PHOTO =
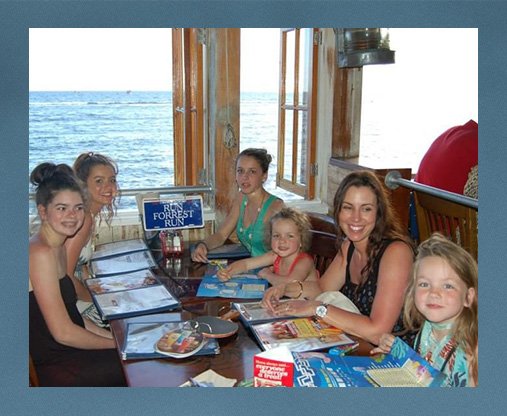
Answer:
(136, 130)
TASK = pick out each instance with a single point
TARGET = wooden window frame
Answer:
(306, 189)
(188, 106)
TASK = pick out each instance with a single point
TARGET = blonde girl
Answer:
(288, 235)
(441, 303)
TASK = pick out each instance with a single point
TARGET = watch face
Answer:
(321, 311)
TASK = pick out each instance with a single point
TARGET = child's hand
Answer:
(385, 344)
(224, 275)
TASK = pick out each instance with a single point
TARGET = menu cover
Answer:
(123, 263)
(299, 334)
(242, 286)
(130, 294)
(254, 313)
(229, 251)
(143, 340)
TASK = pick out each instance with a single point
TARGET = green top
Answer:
(252, 237)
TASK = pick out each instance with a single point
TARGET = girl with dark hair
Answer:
(66, 350)
(251, 209)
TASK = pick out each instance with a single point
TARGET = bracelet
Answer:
(201, 242)
(300, 283)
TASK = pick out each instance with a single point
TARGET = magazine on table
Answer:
(242, 286)
(118, 248)
(403, 367)
(124, 263)
(130, 294)
(299, 334)
(164, 339)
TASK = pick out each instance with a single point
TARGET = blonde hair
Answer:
(299, 218)
(465, 330)
(82, 168)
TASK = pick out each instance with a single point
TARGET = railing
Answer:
(163, 191)
(393, 180)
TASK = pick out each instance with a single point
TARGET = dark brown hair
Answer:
(50, 179)
(387, 225)
(261, 155)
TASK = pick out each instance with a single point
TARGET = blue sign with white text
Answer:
(173, 214)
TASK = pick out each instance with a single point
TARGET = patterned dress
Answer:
(444, 355)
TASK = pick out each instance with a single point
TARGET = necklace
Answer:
(435, 351)
(253, 224)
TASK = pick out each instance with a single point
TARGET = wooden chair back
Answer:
(456, 222)
(33, 378)
(323, 249)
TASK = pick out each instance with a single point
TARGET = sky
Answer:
(139, 59)
(115, 59)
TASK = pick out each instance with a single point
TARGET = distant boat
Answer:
(129, 91)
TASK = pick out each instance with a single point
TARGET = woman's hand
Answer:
(385, 344)
(296, 308)
(272, 297)
(200, 253)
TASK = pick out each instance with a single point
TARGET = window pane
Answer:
(289, 80)
(289, 117)
(305, 45)
(302, 146)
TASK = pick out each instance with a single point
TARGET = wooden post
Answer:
(346, 112)
(223, 104)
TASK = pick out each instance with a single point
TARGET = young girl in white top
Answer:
(441, 303)
(289, 237)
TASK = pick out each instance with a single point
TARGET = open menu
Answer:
(123, 263)
(242, 286)
(254, 313)
(118, 248)
(159, 339)
(130, 294)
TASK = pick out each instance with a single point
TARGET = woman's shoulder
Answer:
(277, 203)
(397, 249)
(37, 247)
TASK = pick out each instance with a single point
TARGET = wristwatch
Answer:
(321, 310)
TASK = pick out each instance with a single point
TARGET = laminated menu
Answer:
(254, 313)
(242, 286)
(130, 294)
(118, 248)
(123, 263)
(159, 339)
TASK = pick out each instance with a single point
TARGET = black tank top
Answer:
(43, 347)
